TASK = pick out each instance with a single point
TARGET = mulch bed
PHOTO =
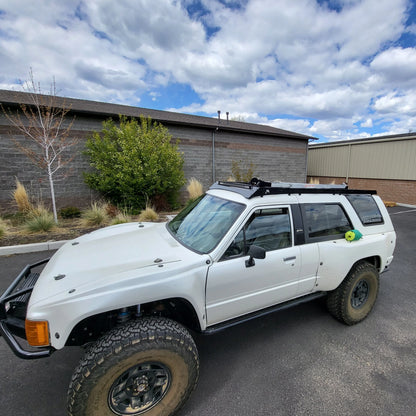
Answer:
(67, 230)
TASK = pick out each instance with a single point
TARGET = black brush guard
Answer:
(13, 306)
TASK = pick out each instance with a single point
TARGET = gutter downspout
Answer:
(213, 146)
(306, 157)
(306, 161)
(213, 155)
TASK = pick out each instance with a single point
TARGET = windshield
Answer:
(203, 224)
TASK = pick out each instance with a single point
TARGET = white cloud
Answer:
(282, 62)
(367, 123)
(297, 125)
(397, 66)
(83, 64)
(406, 124)
(396, 103)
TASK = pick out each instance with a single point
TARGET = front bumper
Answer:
(13, 306)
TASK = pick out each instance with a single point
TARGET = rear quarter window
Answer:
(366, 208)
(324, 221)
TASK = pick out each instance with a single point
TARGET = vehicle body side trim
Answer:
(245, 318)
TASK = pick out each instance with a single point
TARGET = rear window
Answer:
(324, 221)
(366, 208)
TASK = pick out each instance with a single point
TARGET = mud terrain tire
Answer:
(147, 367)
(355, 297)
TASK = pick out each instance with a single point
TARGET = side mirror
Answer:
(255, 252)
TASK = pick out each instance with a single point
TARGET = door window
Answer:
(267, 228)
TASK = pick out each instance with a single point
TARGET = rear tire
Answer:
(354, 298)
(145, 367)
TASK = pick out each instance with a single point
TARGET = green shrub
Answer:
(69, 212)
(242, 171)
(96, 215)
(134, 162)
(40, 221)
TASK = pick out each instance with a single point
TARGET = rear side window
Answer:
(366, 208)
(325, 221)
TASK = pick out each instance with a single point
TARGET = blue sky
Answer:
(332, 69)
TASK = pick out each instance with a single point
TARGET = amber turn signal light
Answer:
(37, 333)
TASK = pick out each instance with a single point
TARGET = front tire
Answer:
(354, 298)
(146, 367)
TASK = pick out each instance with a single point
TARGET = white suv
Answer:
(131, 293)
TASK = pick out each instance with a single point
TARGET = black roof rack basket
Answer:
(258, 187)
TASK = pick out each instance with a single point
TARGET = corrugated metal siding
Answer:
(328, 161)
(390, 159)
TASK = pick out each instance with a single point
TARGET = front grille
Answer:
(14, 301)
(13, 307)
(18, 304)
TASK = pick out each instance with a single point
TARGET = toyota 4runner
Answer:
(132, 293)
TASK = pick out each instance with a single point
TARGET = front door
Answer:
(234, 289)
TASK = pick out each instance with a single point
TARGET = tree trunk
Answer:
(51, 185)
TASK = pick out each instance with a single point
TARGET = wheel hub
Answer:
(140, 384)
(139, 389)
(360, 294)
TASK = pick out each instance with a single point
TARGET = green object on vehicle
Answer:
(353, 235)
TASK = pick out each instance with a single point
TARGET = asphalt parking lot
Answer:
(295, 362)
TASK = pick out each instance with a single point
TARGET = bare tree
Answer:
(44, 123)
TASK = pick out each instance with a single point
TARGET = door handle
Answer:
(289, 258)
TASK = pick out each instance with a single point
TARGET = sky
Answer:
(331, 69)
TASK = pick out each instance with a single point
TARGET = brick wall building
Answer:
(209, 146)
(386, 164)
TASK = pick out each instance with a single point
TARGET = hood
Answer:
(112, 253)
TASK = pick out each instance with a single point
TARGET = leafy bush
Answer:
(134, 162)
(242, 174)
(40, 221)
(70, 212)
(96, 215)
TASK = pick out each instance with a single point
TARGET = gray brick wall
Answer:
(274, 159)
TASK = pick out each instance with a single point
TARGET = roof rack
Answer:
(257, 187)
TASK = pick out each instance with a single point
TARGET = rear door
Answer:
(325, 226)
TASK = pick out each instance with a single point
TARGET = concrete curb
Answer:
(31, 248)
(406, 205)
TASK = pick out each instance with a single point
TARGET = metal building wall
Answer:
(393, 158)
(386, 164)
